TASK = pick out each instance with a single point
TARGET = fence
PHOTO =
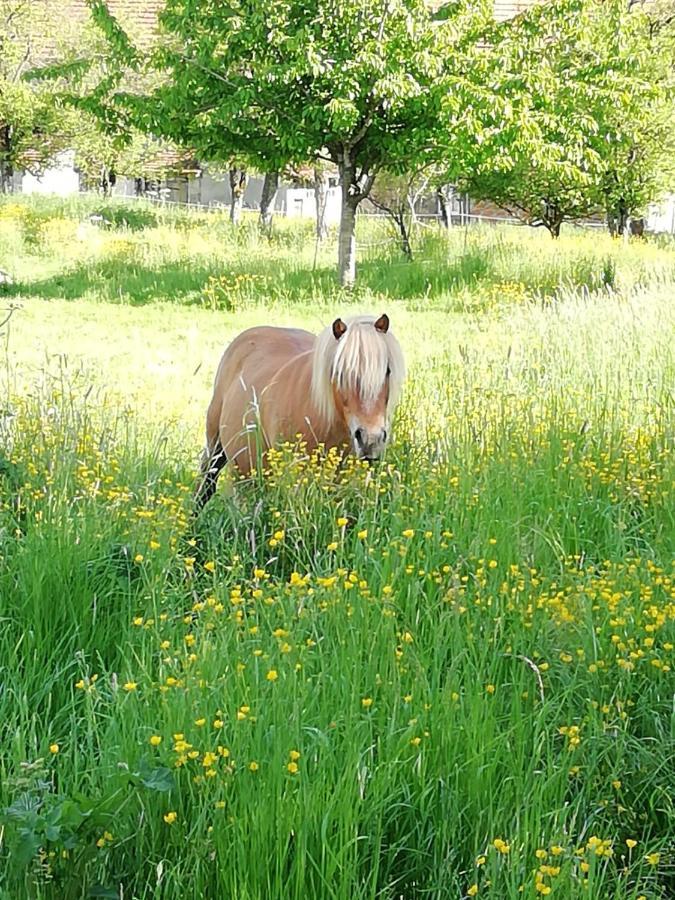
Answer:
(656, 221)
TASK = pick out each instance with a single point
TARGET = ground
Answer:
(448, 676)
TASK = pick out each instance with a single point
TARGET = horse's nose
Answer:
(370, 444)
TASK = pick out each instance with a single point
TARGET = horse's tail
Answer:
(213, 457)
(213, 461)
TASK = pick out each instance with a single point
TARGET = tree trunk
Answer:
(238, 182)
(442, 199)
(347, 240)
(617, 217)
(347, 236)
(405, 235)
(622, 216)
(552, 218)
(637, 227)
(6, 167)
(320, 197)
(269, 192)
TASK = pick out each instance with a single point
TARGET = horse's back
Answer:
(270, 340)
(247, 379)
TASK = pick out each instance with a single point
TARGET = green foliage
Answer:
(69, 79)
(360, 84)
(636, 139)
(29, 118)
(581, 119)
(64, 833)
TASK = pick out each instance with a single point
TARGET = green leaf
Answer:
(157, 778)
(26, 847)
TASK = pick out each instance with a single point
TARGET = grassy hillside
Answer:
(447, 676)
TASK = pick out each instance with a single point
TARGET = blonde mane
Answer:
(359, 359)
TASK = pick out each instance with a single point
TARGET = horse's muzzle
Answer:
(369, 445)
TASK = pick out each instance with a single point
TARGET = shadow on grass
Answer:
(133, 218)
(115, 281)
(426, 278)
(184, 282)
(436, 279)
(180, 281)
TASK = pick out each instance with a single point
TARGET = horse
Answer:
(338, 389)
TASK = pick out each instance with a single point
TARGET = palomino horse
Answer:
(337, 388)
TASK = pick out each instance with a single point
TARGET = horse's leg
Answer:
(212, 465)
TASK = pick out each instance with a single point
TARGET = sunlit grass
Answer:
(447, 676)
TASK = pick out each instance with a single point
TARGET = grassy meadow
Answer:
(447, 676)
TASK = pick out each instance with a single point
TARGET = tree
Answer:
(576, 81)
(637, 140)
(320, 175)
(30, 119)
(238, 180)
(397, 197)
(357, 83)
(317, 175)
(79, 71)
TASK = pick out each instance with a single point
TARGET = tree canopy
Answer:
(358, 83)
(562, 111)
(30, 133)
(589, 107)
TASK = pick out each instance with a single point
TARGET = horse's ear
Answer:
(339, 329)
(382, 323)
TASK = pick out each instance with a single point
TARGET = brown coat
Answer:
(265, 376)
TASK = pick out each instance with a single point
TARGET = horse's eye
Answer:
(388, 371)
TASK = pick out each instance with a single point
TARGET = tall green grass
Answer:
(142, 254)
(447, 676)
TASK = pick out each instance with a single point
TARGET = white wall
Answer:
(661, 216)
(301, 203)
(60, 178)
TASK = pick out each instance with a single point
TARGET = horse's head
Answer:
(357, 377)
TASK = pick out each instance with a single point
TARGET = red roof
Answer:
(137, 17)
(507, 9)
